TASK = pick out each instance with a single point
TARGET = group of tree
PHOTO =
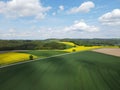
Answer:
(30, 45)
(95, 42)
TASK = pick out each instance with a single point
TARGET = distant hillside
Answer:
(53, 44)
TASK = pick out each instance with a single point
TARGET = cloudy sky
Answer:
(42, 19)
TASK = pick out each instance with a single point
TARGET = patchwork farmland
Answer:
(59, 44)
(15, 56)
(76, 71)
(73, 68)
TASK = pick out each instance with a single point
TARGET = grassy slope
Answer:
(77, 71)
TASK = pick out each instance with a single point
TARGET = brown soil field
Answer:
(109, 51)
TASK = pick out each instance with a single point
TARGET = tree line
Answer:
(30, 45)
(95, 42)
(52, 44)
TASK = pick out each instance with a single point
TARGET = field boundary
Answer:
(27, 61)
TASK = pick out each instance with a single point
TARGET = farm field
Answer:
(44, 53)
(82, 48)
(12, 57)
(68, 43)
(109, 51)
(73, 47)
(59, 45)
(86, 70)
(21, 56)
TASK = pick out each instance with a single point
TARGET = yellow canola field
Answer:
(12, 57)
(81, 48)
(68, 43)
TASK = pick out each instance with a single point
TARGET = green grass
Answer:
(76, 71)
(44, 53)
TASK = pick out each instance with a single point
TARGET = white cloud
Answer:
(111, 18)
(12, 30)
(58, 32)
(54, 13)
(84, 8)
(81, 26)
(61, 7)
(15, 34)
(23, 8)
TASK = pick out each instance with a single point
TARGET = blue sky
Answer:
(43, 19)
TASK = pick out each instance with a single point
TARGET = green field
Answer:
(44, 53)
(76, 71)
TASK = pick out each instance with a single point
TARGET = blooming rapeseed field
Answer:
(78, 48)
(12, 57)
(81, 48)
(68, 43)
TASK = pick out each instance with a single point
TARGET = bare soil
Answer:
(109, 51)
